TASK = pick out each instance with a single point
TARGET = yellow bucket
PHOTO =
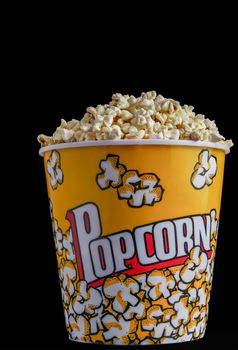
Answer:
(135, 226)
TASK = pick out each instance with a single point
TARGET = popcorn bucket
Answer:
(135, 227)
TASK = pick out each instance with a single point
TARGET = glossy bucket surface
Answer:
(135, 227)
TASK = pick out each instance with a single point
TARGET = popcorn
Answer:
(154, 313)
(121, 290)
(79, 327)
(51, 211)
(45, 140)
(147, 341)
(214, 225)
(202, 295)
(68, 245)
(204, 170)
(66, 317)
(140, 189)
(142, 279)
(175, 296)
(120, 101)
(138, 311)
(118, 329)
(209, 270)
(150, 95)
(193, 268)
(128, 117)
(154, 323)
(172, 134)
(127, 189)
(111, 172)
(194, 318)
(53, 166)
(87, 303)
(161, 282)
(163, 329)
(67, 275)
(201, 324)
(63, 134)
(182, 338)
(192, 292)
(112, 133)
(96, 320)
(58, 237)
(137, 189)
(182, 309)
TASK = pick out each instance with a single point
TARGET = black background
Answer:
(57, 64)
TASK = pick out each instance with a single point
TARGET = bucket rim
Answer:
(143, 142)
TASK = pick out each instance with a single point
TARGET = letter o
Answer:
(165, 241)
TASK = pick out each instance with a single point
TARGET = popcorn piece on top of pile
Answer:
(149, 116)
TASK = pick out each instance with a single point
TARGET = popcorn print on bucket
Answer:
(138, 189)
(53, 166)
(168, 305)
(111, 172)
(204, 170)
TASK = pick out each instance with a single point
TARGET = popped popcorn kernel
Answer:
(130, 117)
